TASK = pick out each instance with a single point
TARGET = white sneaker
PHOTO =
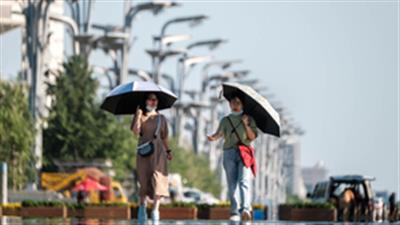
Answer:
(234, 218)
(155, 215)
(246, 215)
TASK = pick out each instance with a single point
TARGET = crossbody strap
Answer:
(234, 129)
(237, 135)
(157, 132)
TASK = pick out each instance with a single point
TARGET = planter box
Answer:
(313, 214)
(284, 212)
(107, 212)
(75, 213)
(216, 213)
(222, 213)
(11, 212)
(307, 214)
(44, 211)
(178, 213)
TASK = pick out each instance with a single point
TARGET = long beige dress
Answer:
(152, 170)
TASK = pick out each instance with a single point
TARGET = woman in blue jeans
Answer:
(236, 173)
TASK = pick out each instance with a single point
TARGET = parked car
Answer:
(352, 196)
(197, 196)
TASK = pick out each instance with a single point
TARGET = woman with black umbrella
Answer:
(236, 128)
(153, 153)
(144, 99)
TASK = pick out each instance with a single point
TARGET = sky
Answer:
(333, 64)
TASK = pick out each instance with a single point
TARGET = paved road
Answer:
(19, 221)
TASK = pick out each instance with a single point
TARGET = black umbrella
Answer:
(255, 105)
(125, 98)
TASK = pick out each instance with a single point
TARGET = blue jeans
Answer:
(237, 174)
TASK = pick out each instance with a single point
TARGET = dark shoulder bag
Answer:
(147, 148)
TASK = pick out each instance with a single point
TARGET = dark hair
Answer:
(237, 95)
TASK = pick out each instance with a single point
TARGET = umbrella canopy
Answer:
(125, 98)
(89, 184)
(255, 105)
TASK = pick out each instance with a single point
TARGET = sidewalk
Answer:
(20, 221)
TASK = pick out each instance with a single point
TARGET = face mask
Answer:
(237, 113)
(151, 108)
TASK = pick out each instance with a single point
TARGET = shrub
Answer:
(34, 203)
(179, 205)
(316, 205)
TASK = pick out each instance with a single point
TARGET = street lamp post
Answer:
(36, 15)
(223, 64)
(192, 20)
(158, 58)
(184, 64)
(212, 44)
(105, 71)
(145, 76)
(130, 14)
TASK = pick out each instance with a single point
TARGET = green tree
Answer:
(16, 134)
(78, 130)
(194, 169)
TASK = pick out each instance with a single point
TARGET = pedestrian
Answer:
(81, 197)
(152, 155)
(236, 128)
(392, 207)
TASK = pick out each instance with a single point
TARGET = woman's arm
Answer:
(218, 134)
(136, 122)
(169, 153)
(164, 137)
(165, 143)
(251, 135)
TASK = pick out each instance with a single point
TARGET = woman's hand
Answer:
(211, 138)
(251, 135)
(214, 137)
(135, 126)
(138, 112)
(245, 119)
